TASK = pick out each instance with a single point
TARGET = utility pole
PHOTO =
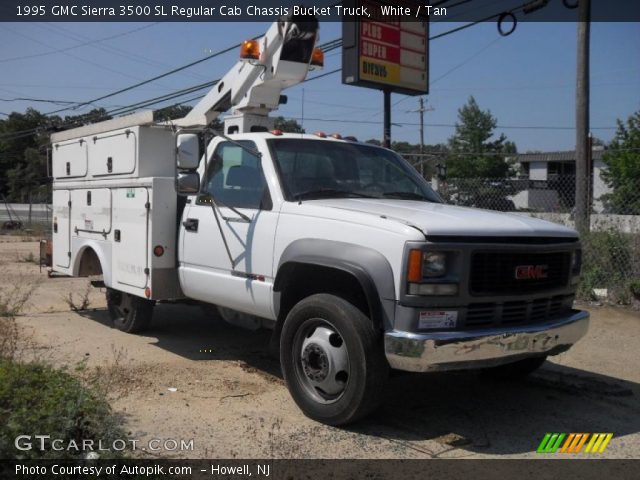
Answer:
(421, 111)
(386, 136)
(582, 207)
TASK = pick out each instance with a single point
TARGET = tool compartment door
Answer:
(70, 160)
(130, 238)
(61, 236)
(91, 212)
(113, 154)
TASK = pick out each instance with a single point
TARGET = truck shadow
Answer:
(468, 412)
(465, 411)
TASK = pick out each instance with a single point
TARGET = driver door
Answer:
(227, 260)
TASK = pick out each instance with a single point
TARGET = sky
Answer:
(526, 79)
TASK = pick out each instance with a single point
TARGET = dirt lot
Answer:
(230, 398)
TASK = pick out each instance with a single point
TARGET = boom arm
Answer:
(253, 87)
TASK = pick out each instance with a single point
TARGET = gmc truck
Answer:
(340, 247)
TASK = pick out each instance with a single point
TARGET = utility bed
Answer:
(114, 203)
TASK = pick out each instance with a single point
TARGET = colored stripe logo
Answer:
(574, 443)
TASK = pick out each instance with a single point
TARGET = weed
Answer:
(30, 258)
(84, 300)
(14, 298)
(610, 260)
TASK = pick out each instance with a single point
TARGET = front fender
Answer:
(368, 266)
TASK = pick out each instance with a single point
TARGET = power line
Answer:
(449, 125)
(147, 103)
(153, 79)
(329, 46)
(37, 100)
(113, 50)
(73, 47)
(80, 59)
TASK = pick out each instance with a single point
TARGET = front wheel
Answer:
(332, 360)
(129, 313)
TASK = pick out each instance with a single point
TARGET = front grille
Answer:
(494, 273)
(516, 313)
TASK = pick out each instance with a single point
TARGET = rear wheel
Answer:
(515, 370)
(332, 360)
(129, 313)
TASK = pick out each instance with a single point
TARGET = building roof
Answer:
(566, 156)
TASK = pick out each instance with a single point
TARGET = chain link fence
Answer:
(611, 249)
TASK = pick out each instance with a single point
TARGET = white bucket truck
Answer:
(338, 246)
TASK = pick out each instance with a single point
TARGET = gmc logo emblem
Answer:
(531, 272)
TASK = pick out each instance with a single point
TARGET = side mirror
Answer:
(188, 151)
(188, 183)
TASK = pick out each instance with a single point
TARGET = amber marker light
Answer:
(414, 272)
(250, 50)
(317, 58)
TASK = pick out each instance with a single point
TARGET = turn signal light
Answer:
(414, 272)
(147, 292)
(250, 50)
(317, 58)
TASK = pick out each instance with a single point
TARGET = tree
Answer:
(172, 112)
(471, 147)
(23, 141)
(623, 168)
(288, 126)
(477, 163)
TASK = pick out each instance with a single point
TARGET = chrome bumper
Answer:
(459, 350)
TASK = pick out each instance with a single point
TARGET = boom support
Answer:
(252, 87)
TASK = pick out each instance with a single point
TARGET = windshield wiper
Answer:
(328, 193)
(407, 195)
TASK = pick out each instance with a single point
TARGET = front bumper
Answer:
(460, 350)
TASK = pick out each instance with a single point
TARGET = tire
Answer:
(129, 313)
(332, 360)
(515, 370)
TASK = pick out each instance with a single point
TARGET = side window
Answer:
(235, 178)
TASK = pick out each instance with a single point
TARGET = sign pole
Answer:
(387, 119)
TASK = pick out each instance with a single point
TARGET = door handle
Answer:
(190, 224)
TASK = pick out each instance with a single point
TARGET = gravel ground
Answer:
(193, 377)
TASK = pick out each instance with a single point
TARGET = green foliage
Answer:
(623, 172)
(172, 112)
(474, 130)
(609, 262)
(39, 400)
(288, 126)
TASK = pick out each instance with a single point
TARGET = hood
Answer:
(442, 219)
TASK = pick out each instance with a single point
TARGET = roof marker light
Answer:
(320, 134)
(317, 58)
(250, 50)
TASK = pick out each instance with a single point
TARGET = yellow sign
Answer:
(379, 71)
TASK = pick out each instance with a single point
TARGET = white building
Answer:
(551, 180)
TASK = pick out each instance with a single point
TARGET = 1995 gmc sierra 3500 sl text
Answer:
(338, 246)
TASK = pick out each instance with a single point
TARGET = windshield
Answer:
(312, 169)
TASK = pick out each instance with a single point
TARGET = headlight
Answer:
(434, 264)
